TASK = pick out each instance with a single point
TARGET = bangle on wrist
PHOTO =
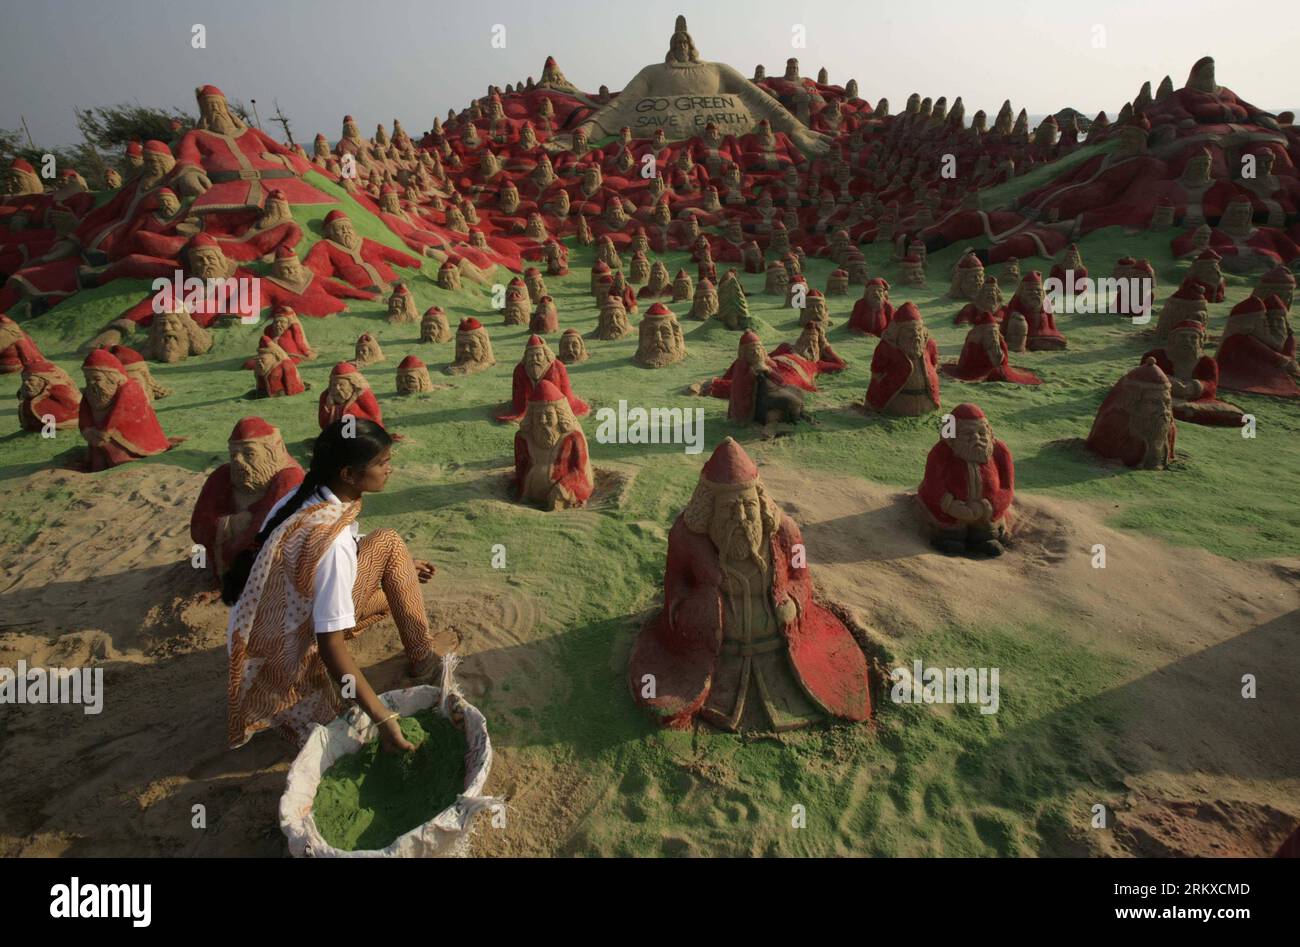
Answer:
(385, 720)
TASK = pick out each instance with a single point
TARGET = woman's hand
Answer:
(390, 737)
(424, 569)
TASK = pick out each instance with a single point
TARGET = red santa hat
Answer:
(134, 149)
(469, 324)
(409, 362)
(1279, 275)
(1190, 289)
(545, 392)
(153, 146)
(253, 428)
(1273, 301)
(345, 368)
(536, 341)
(202, 240)
(1209, 254)
(335, 215)
(907, 313)
(729, 466)
(1125, 261)
(968, 412)
(911, 258)
(447, 265)
(125, 354)
(400, 288)
(434, 309)
(878, 281)
(103, 360)
(285, 253)
(1250, 306)
(815, 292)
(659, 309)
(18, 164)
(970, 261)
(571, 331)
(600, 266)
(750, 337)
(1146, 375)
(209, 92)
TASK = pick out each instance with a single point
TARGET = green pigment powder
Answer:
(368, 798)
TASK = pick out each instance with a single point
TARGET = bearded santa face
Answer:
(1197, 170)
(174, 339)
(1185, 350)
(343, 390)
(662, 216)
(1274, 329)
(266, 362)
(367, 350)
(469, 348)
(974, 441)
(1151, 411)
(410, 381)
(536, 227)
(536, 363)
(280, 325)
(1032, 295)
(252, 465)
(156, 167)
(988, 299)
(397, 305)
(754, 357)
(679, 49)
(33, 387)
(216, 115)
(343, 233)
(911, 339)
(662, 338)
(289, 269)
(811, 339)
(1237, 217)
(731, 178)
(736, 527)
(734, 233)
(570, 348)
(969, 280)
(389, 204)
(547, 425)
(711, 200)
(101, 387)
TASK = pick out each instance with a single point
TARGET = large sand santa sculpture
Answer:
(741, 641)
(681, 95)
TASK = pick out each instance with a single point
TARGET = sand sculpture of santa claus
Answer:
(552, 464)
(966, 495)
(741, 642)
(237, 496)
(116, 419)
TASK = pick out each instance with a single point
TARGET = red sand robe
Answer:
(126, 429)
(17, 350)
(1201, 380)
(892, 371)
(1256, 357)
(282, 379)
(949, 477)
(366, 267)
(868, 320)
(309, 294)
(240, 165)
(47, 392)
(737, 384)
(522, 386)
(227, 518)
(699, 658)
(362, 404)
(570, 465)
(984, 357)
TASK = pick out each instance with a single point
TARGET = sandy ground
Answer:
(1210, 773)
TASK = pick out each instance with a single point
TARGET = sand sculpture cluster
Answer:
(751, 178)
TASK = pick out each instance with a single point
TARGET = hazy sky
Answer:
(385, 59)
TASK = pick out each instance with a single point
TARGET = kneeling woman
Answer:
(315, 582)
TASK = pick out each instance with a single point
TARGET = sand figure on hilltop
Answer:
(683, 76)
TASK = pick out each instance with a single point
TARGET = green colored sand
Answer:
(368, 799)
(581, 582)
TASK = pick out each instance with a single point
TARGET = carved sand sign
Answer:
(691, 113)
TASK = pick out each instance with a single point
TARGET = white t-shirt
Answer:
(332, 607)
